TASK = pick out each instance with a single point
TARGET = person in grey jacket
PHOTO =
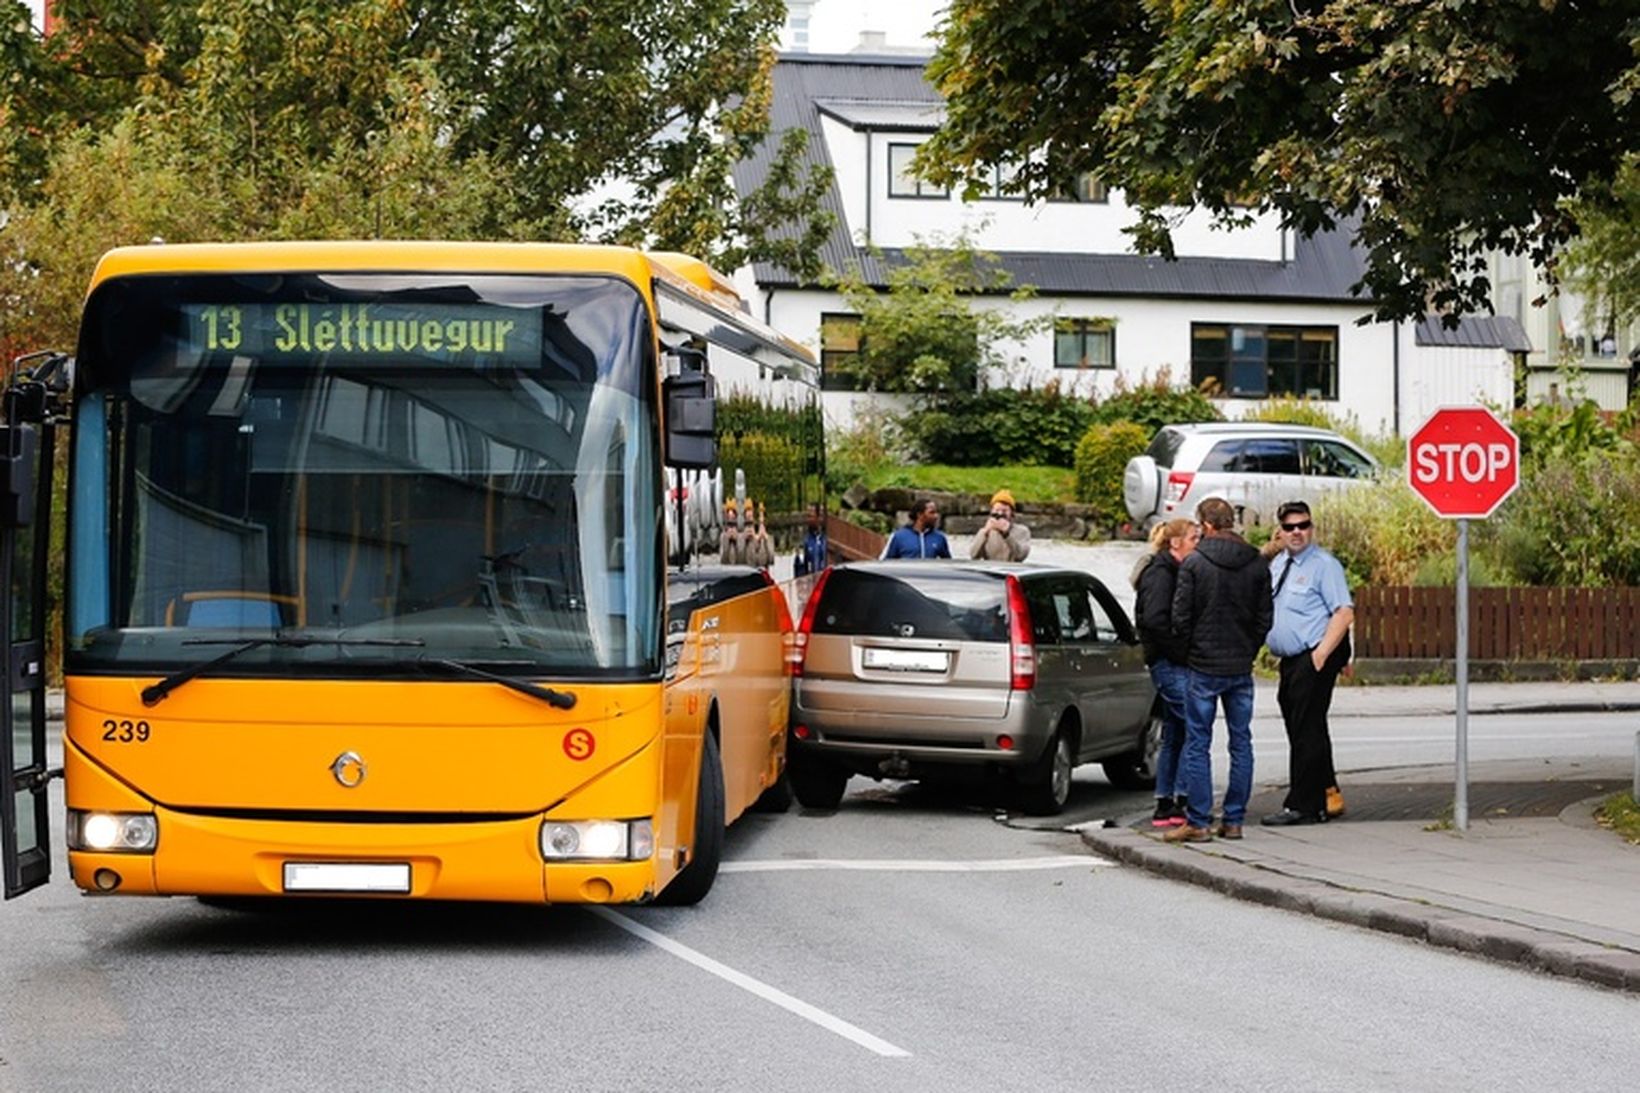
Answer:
(1222, 608)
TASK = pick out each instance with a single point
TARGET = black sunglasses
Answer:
(1302, 525)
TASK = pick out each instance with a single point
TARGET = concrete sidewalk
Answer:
(1556, 893)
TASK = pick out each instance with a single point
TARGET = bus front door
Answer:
(26, 442)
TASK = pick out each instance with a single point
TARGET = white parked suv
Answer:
(1253, 465)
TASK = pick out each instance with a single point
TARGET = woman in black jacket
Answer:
(1170, 542)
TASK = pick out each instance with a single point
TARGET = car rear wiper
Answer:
(563, 700)
(153, 695)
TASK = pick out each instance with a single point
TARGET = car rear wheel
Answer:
(1137, 769)
(816, 783)
(1048, 785)
(691, 885)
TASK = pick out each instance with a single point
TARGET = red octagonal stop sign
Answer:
(1463, 462)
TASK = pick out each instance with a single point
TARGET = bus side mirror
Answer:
(18, 443)
(691, 419)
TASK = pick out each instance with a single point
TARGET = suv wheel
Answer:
(1137, 769)
(816, 783)
(1048, 785)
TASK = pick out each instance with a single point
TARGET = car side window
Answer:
(1073, 612)
(1110, 620)
(1222, 456)
(1330, 459)
(1044, 616)
(1268, 456)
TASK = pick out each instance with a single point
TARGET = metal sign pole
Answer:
(1460, 802)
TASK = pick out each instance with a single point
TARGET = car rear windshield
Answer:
(1165, 446)
(950, 606)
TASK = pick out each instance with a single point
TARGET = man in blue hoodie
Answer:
(1222, 608)
(921, 538)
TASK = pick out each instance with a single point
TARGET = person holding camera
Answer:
(1002, 538)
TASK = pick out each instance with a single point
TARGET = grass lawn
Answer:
(1622, 815)
(1041, 484)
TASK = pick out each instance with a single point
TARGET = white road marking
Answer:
(755, 986)
(998, 865)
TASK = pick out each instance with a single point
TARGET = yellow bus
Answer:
(367, 577)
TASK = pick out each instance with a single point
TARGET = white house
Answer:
(1262, 311)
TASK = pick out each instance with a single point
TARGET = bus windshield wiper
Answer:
(563, 700)
(153, 695)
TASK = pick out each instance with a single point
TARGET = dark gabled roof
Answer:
(890, 92)
(1474, 332)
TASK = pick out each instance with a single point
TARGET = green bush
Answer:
(1574, 523)
(1001, 426)
(773, 467)
(859, 454)
(1155, 402)
(1293, 411)
(1382, 533)
(1101, 457)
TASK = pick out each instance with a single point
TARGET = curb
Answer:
(1541, 950)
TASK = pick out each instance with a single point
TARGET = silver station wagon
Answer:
(912, 669)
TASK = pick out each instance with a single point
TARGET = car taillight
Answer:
(1178, 484)
(1021, 648)
(799, 647)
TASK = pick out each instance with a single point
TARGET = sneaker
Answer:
(1166, 811)
(1289, 818)
(1188, 834)
(1335, 803)
(1228, 831)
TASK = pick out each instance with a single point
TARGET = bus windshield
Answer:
(427, 468)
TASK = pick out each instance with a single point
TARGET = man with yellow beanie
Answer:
(1002, 538)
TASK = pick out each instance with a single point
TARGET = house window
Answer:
(901, 182)
(1248, 361)
(1087, 188)
(998, 177)
(1084, 343)
(839, 345)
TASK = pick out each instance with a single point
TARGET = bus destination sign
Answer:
(368, 332)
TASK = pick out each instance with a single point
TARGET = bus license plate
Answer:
(907, 660)
(347, 877)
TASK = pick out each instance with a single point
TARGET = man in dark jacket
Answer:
(1222, 608)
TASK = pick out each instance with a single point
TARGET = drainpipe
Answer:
(1395, 352)
(768, 307)
(868, 187)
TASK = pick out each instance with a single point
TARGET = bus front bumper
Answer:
(500, 860)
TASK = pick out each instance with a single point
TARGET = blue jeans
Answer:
(1203, 694)
(1171, 680)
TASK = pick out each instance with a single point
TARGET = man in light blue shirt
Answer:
(1311, 635)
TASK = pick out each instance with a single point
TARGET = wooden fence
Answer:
(851, 542)
(1504, 623)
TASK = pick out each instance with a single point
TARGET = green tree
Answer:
(1435, 130)
(1603, 263)
(925, 334)
(618, 121)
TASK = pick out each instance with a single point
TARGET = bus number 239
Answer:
(127, 732)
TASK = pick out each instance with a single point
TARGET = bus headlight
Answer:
(113, 832)
(597, 840)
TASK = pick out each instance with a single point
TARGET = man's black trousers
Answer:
(1305, 696)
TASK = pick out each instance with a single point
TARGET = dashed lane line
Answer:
(827, 1021)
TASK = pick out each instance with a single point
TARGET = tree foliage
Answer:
(1603, 263)
(515, 119)
(1435, 129)
(925, 334)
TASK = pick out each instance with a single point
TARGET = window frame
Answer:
(830, 380)
(920, 190)
(1282, 374)
(1084, 330)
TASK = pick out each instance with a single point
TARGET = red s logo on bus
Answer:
(579, 744)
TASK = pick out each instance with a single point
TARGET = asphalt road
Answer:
(908, 941)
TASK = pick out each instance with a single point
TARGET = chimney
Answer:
(798, 13)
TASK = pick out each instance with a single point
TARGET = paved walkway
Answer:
(1557, 892)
